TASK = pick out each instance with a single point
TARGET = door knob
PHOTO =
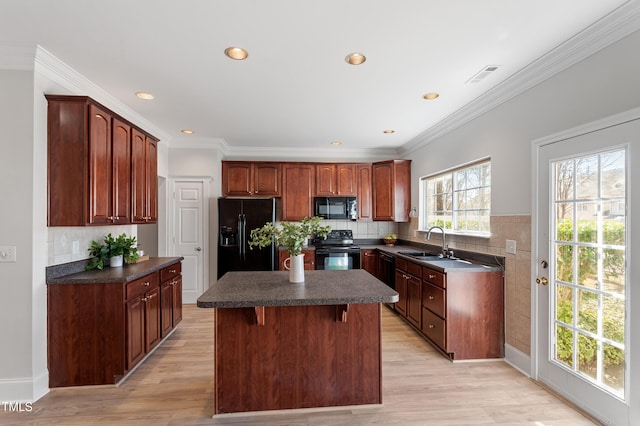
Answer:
(198, 248)
(542, 280)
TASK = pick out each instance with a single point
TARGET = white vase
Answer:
(295, 268)
(115, 261)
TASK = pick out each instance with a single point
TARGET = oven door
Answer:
(337, 258)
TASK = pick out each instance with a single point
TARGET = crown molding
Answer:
(57, 71)
(307, 154)
(616, 25)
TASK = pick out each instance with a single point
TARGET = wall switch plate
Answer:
(511, 246)
(7, 253)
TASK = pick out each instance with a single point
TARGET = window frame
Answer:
(423, 216)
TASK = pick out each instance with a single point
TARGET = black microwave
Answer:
(345, 208)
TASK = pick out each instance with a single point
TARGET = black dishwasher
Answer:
(387, 269)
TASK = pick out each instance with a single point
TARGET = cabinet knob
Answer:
(173, 271)
(146, 283)
(144, 299)
(432, 326)
(431, 276)
(431, 297)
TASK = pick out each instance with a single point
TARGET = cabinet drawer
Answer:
(434, 277)
(433, 298)
(170, 272)
(401, 264)
(142, 285)
(414, 269)
(434, 328)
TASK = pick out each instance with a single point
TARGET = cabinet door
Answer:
(121, 172)
(414, 300)
(138, 172)
(298, 182)
(236, 178)
(364, 192)
(267, 179)
(152, 181)
(135, 331)
(401, 288)
(166, 307)
(177, 300)
(99, 166)
(345, 179)
(391, 190)
(325, 180)
(370, 261)
(144, 178)
(152, 318)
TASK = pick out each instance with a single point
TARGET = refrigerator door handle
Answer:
(244, 237)
(240, 236)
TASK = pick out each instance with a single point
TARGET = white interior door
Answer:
(585, 338)
(190, 232)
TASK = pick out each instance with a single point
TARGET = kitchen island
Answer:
(280, 345)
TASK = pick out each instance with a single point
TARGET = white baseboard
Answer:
(517, 359)
(24, 389)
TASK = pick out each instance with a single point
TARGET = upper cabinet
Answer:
(334, 180)
(391, 190)
(89, 164)
(298, 183)
(144, 178)
(363, 178)
(248, 179)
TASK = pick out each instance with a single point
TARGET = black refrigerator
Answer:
(236, 218)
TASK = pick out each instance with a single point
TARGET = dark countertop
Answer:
(122, 274)
(467, 263)
(266, 288)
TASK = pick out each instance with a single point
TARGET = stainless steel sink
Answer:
(422, 255)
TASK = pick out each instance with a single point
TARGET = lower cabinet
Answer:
(462, 313)
(97, 332)
(369, 261)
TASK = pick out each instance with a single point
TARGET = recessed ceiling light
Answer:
(431, 96)
(236, 53)
(336, 143)
(355, 58)
(187, 131)
(144, 95)
(388, 131)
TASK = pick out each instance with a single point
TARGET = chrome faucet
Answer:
(444, 242)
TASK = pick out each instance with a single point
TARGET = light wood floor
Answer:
(420, 387)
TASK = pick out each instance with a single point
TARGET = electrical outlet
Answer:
(511, 246)
(7, 253)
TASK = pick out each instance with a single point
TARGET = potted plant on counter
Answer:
(293, 237)
(115, 249)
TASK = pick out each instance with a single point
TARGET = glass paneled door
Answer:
(583, 271)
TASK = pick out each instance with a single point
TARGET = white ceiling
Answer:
(295, 90)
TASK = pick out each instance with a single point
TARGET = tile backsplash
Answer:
(71, 243)
(362, 230)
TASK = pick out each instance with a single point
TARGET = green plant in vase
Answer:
(291, 235)
(122, 245)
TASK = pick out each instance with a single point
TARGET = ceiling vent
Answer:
(483, 73)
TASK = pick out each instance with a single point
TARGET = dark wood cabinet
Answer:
(463, 312)
(364, 192)
(408, 275)
(401, 288)
(248, 179)
(369, 261)
(89, 161)
(298, 185)
(391, 182)
(335, 180)
(170, 298)
(98, 331)
(144, 178)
